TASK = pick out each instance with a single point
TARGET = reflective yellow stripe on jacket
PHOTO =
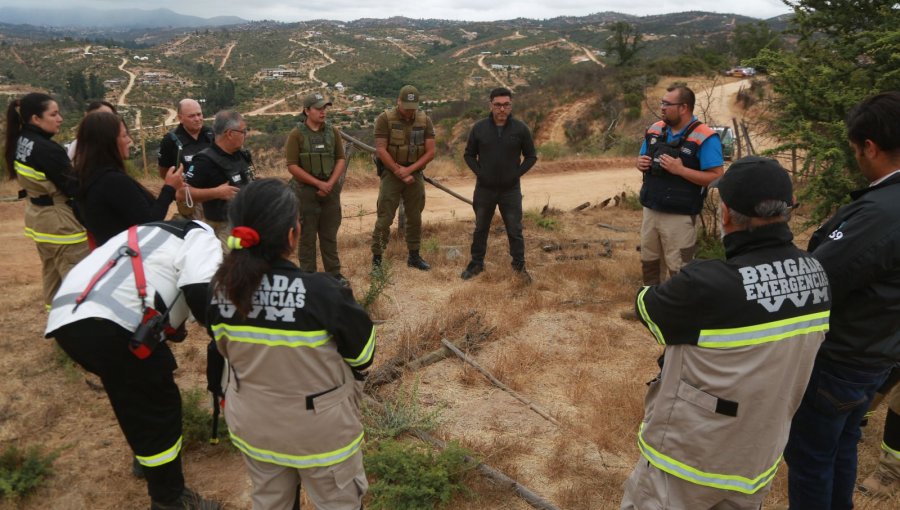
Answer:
(717, 480)
(161, 458)
(298, 461)
(366, 355)
(270, 337)
(763, 333)
(28, 172)
(41, 237)
(642, 309)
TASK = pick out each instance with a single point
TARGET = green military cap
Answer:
(409, 98)
(315, 100)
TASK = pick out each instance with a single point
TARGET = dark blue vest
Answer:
(669, 193)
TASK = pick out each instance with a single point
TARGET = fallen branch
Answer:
(612, 227)
(391, 370)
(441, 187)
(497, 383)
(582, 207)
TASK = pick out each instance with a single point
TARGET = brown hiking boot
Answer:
(881, 484)
(189, 500)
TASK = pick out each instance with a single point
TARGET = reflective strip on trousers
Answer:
(161, 458)
(763, 333)
(28, 172)
(642, 310)
(40, 237)
(270, 337)
(890, 451)
(687, 473)
(298, 461)
(366, 355)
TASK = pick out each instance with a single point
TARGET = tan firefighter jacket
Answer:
(741, 337)
(291, 397)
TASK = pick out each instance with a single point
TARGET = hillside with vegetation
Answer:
(588, 87)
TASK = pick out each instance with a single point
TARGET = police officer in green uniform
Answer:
(404, 144)
(315, 159)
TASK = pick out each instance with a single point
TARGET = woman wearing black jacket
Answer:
(45, 175)
(109, 200)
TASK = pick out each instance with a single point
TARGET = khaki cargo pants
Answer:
(668, 241)
(56, 262)
(390, 193)
(338, 487)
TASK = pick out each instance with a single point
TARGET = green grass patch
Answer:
(709, 246)
(380, 279)
(544, 222)
(410, 476)
(401, 413)
(632, 201)
(21, 472)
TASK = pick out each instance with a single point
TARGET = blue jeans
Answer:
(821, 448)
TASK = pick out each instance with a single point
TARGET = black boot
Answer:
(189, 500)
(415, 260)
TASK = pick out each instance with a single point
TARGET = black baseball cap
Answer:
(752, 180)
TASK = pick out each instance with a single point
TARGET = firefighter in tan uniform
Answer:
(404, 144)
(44, 172)
(296, 343)
(740, 338)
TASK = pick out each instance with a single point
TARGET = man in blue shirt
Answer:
(680, 156)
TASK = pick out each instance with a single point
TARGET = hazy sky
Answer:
(474, 10)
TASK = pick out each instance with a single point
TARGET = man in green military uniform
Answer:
(404, 144)
(315, 159)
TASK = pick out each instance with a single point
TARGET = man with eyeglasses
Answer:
(218, 172)
(499, 151)
(679, 158)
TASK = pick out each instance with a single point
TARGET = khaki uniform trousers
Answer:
(668, 241)
(390, 193)
(649, 488)
(320, 217)
(222, 232)
(56, 261)
(338, 487)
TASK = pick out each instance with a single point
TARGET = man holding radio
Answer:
(680, 156)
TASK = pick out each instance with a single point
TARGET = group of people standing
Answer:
(774, 351)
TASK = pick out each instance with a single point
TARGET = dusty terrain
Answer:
(560, 342)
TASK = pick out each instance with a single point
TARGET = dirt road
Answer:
(227, 54)
(131, 77)
(560, 190)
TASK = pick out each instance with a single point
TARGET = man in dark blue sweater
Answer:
(499, 151)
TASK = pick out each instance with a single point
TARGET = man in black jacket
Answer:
(499, 151)
(218, 172)
(859, 247)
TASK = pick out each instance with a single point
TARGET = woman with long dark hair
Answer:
(296, 343)
(110, 201)
(43, 170)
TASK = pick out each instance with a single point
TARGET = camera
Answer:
(149, 334)
(656, 152)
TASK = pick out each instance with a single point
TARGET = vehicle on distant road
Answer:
(726, 135)
(741, 72)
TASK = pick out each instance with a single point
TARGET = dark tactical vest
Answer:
(663, 191)
(406, 143)
(317, 153)
(189, 149)
(238, 172)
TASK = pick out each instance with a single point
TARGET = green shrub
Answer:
(196, 418)
(550, 151)
(380, 279)
(431, 245)
(401, 413)
(23, 472)
(412, 477)
(709, 246)
(632, 201)
(544, 222)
